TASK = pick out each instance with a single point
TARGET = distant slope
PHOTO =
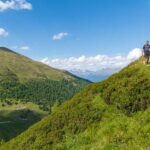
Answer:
(113, 114)
(28, 80)
(27, 69)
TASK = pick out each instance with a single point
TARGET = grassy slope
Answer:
(129, 89)
(17, 117)
(97, 117)
(27, 69)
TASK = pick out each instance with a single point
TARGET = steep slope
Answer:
(27, 69)
(23, 80)
(129, 89)
(113, 114)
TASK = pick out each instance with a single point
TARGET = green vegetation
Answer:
(17, 116)
(42, 92)
(129, 90)
(24, 79)
(28, 89)
(111, 115)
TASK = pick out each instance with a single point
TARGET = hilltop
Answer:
(113, 114)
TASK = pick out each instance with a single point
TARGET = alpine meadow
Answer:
(74, 75)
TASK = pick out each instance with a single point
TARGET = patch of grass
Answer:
(117, 132)
(17, 116)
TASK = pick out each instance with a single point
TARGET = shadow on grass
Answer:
(14, 123)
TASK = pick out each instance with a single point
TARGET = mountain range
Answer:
(94, 76)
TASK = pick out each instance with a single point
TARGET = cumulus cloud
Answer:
(60, 36)
(15, 5)
(99, 64)
(3, 32)
(134, 54)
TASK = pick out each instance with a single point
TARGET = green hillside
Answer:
(129, 90)
(26, 69)
(110, 115)
(23, 82)
(16, 117)
(24, 79)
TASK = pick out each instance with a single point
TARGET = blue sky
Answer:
(94, 26)
(90, 27)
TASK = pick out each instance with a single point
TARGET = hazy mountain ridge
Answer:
(95, 76)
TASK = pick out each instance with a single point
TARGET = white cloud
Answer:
(99, 64)
(24, 48)
(15, 5)
(60, 36)
(134, 54)
(3, 32)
